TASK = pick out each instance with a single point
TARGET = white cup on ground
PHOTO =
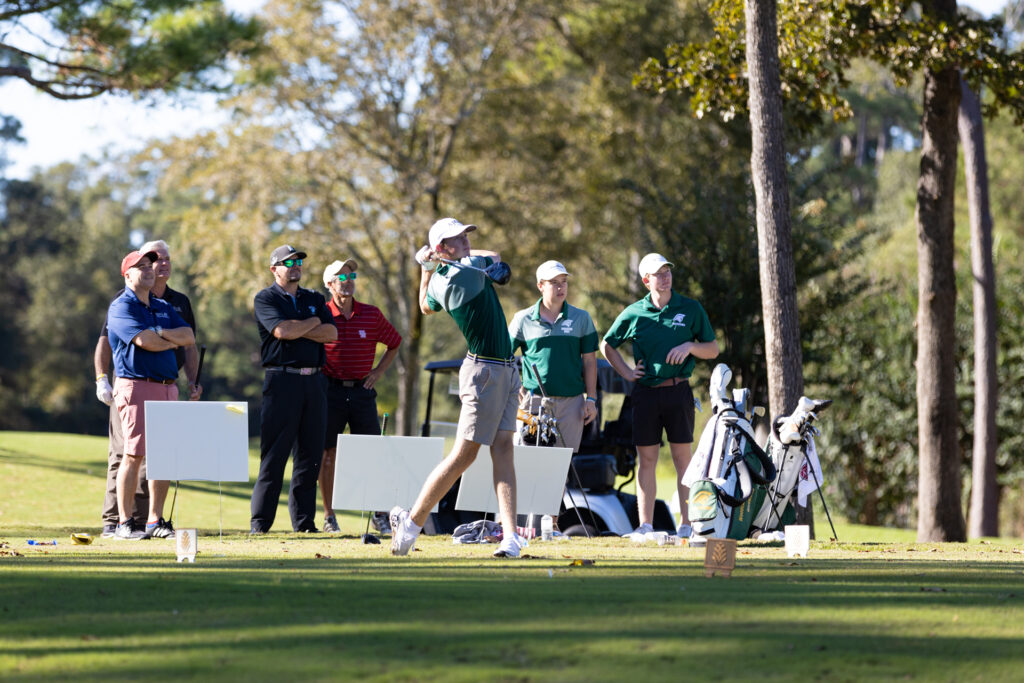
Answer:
(798, 540)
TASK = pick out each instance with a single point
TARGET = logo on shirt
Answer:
(566, 326)
(161, 314)
(677, 321)
(362, 334)
(312, 309)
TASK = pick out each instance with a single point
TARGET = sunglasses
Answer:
(289, 262)
(345, 277)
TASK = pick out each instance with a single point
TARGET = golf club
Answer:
(368, 538)
(499, 272)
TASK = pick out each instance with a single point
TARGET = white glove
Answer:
(423, 258)
(104, 392)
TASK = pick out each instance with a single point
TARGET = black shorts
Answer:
(352, 407)
(669, 408)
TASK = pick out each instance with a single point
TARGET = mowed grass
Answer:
(293, 607)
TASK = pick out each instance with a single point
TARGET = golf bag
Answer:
(792, 451)
(727, 467)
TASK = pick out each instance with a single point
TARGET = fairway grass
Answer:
(313, 607)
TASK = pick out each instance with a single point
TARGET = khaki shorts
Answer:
(489, 393)
(567, 410)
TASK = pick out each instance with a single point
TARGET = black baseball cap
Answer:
(286, 251)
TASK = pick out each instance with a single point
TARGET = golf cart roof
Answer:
(609, 380)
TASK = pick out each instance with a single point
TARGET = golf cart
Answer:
(592, 505)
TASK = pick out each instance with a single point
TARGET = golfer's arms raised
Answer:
(494, 256)
(616, 360)
(424, 281)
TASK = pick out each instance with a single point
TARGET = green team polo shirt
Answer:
(469, 298)
(654, 332)
(555, 348)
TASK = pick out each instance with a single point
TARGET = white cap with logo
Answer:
(652, 262)
(549, 270)
(331, 271)
(445, 228)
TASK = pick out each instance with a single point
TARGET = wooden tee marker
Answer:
(720, 557)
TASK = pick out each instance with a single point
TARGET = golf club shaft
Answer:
(202, 357)
(459, 264)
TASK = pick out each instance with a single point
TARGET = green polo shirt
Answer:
(654, 332)
(555, 348)
(469, 298)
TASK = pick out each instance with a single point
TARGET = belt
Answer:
(152, 380)
(291, 370)
(508, 362)
(346, 382)
(671, 382)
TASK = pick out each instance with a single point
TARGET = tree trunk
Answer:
(984, 511)
(938, 497)
(774, 233)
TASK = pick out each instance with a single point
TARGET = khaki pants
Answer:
(115, 453)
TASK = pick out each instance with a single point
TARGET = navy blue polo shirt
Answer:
(126, 318)
(274, 306)
(180, 303)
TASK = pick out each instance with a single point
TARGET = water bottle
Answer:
(546, 528)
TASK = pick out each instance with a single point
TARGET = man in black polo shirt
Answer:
(187, 357)
(294, 324)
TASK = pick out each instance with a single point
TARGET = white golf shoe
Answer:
(510, 546)
(402, 539)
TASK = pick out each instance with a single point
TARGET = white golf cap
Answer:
(331, 271)
(445, 228)
(549, 270)
(652, 262)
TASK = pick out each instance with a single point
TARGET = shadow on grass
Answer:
(415, 618)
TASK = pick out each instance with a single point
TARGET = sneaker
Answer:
(127, 531)
(159, 529)
(684, 531)
(402, 540)
(510, 547)
(380, 522)
(108, 530)
(641, 530)
(331, 525)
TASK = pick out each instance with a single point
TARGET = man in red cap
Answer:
(187, 359)
(143, 332)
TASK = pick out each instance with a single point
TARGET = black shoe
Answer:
(308, 530)
(257, 532)
(108, 530)
(127, 531)
(160, 529)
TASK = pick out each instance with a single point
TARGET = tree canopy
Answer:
(76, 49)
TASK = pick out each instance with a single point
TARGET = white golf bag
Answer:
(727, 467)
(792, 452)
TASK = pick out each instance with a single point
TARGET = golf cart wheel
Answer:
(583, 530)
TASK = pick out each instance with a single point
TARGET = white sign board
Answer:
(197, 440)
(540, 479)
(378, 472)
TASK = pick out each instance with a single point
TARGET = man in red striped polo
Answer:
(351, 375)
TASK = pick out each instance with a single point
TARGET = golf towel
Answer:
(806, 484)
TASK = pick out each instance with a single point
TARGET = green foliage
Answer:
(83, 49)
(818, 39)
(63, 235)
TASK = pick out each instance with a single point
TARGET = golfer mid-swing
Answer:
(488, 381)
